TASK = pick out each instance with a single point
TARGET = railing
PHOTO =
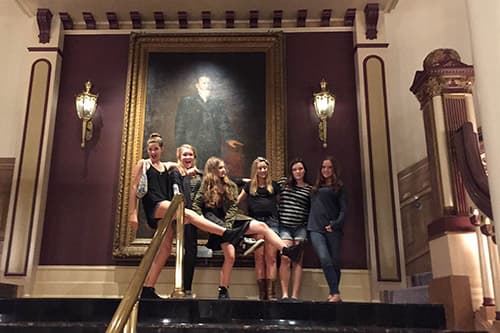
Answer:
(125, 317)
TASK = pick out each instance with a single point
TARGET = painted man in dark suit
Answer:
(201, 121)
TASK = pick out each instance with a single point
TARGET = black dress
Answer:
(159, 189)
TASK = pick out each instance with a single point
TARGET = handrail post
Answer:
(131, 296)
(179, 254)
(131, 324)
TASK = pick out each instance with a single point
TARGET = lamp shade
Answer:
(86, 103)
(324, 102)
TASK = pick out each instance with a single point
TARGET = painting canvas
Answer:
(233, 110)
(221, 93)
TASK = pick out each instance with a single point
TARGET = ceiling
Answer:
(193, 8)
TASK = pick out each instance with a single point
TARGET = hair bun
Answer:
(154, 135)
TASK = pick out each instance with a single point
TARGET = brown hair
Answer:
(210, 181)
(290, 180)
(155, 138)
(336, 181)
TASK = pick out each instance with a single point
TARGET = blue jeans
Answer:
(327, 248)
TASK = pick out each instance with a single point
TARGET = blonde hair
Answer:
(210, 181)
(178, 153)
(253, 177)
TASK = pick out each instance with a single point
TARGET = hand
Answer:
(191, 171)
(328, 228)
(132, 221)
(234, 144)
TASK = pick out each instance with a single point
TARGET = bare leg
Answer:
(260, 266)
(160, 259)
(192, 217)
(270, 236)
(227, 266)
(270, 260)
(297, 275)
(285, 272)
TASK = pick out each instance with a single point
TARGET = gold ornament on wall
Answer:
(86, 106)
(324, 105)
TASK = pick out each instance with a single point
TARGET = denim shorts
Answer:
(271, 222)
(288, 232)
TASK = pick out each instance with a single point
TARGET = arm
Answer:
(231, 208)
(338, 223)
(132, 199)
(169, 165)
(198, 200)
(176, 180)
(241, 197)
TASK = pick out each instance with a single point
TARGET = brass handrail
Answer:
(131, 296)
(178, 291)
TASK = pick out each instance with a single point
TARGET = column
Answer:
(484, 20)
(387, 269)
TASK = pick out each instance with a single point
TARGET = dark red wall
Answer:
(83, 184)
(309, 58)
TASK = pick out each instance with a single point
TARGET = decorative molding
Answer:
(206, 19)
(326, 14)
(112, 20)
(135, 17)
(25, 209)
(382, 191)
(253, 20)
(371, 18)
(301, 18)
(183, 19)
(277, 18)
(443, 73)
(89, 20)
(371, 46)
(66, 20)
(44, 19)
(45, 49)
(159, 20)
(349, 17)
(229, 19)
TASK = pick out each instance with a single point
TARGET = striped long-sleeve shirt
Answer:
(294, 205)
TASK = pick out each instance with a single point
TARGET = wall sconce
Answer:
(324, 105)
(86, 105)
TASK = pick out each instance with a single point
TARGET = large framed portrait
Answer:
(221, 93)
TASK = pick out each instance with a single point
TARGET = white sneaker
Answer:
(249, 245)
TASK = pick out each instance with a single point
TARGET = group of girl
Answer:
(212, 204)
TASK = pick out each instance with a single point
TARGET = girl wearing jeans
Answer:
(326, 223)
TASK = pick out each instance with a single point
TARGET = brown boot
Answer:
(261, 283)
(271, 290)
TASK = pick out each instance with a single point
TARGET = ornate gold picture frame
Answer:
(154, 55)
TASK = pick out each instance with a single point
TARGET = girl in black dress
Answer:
(156, 202)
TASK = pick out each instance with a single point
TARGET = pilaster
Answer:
(31, 172)
(383, 220)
